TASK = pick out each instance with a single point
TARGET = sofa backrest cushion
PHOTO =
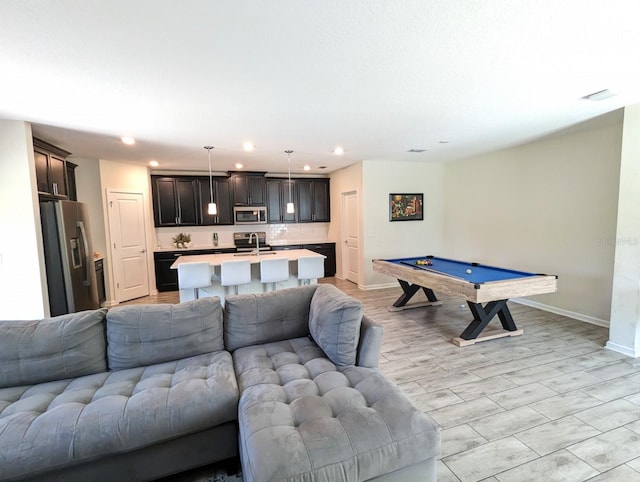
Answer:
(334, 324)
(66, 346)
(140, 335)
(253, 319)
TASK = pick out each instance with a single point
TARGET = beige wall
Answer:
(90, 192)
(23, 292)
(385, 239)
(347, 180)
(547, 207)
(133, 178)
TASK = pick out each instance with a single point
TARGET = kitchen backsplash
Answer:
(276, 233)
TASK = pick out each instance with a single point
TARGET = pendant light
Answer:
(290, 208)
(212, 208)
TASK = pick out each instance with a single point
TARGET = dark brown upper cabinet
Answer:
(51, 169)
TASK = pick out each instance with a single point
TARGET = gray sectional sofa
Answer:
(286, 379)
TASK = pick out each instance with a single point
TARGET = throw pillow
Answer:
(334, 324)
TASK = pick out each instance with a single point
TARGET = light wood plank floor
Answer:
(552, 404)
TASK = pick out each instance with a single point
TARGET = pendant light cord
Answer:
(289, 151)
(208, 148)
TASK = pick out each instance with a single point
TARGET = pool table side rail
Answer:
(476, 293)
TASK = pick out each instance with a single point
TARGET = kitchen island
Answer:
(215, 260)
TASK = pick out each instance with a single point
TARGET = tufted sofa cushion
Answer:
(55, 348)
(303, 418)
(140, 335)
(59, 423)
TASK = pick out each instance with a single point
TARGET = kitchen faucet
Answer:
(257, 250)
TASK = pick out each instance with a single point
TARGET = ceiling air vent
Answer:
(600, 95)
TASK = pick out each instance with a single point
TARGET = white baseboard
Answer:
(560, 311)
(625, 350)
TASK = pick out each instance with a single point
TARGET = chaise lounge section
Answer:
(312, 404)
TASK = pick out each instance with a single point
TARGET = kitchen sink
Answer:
(262, 253)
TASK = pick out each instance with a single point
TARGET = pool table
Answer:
(476, 283)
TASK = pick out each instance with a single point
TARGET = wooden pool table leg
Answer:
(482, 315)
(408, 290)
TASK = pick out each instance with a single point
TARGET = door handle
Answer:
(85, 249)
(143, 250)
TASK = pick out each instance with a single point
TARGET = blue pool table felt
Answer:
(458, 269)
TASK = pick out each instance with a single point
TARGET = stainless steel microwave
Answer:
(250, 215)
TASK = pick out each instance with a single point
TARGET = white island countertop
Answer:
(217, 259)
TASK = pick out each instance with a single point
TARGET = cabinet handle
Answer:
(55, 188)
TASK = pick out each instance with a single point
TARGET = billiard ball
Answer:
(468, 271)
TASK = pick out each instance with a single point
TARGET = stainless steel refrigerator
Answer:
(68, 254)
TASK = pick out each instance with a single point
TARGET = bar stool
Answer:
(310, 267)
(274, 270)
(234, 273)
(196, 276)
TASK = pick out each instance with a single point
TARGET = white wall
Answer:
(624, 333)
(23, 292)
(546, 207)
(385, 239)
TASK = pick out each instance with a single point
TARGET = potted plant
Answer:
(182, 240)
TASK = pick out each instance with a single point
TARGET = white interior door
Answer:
(351, 241)
(128, 244)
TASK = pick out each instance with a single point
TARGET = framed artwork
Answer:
(406, 207)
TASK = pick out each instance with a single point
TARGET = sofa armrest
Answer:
(370, 343)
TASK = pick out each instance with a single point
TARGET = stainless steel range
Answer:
(249, 241)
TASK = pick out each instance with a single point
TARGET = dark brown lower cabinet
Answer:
(329, 250)
(167, 278)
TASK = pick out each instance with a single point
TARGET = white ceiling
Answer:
(454, 77)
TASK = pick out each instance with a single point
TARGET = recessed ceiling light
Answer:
(154, 163)
(248, 146)
(600, 95)
(307, 167)
(128, 140)
(416, 150)
(338, 151)
(239, 165)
